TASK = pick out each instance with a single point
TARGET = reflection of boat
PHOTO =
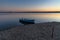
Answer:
(27, 21)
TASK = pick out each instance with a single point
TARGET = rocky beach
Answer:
(40, 31)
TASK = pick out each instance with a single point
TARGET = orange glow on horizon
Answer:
(32, 9)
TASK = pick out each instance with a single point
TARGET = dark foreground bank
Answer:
(42, 31)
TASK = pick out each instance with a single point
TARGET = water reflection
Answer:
(9, 20)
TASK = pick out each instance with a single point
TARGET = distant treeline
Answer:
(34, 12)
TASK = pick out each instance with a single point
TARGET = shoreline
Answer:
(40, 31)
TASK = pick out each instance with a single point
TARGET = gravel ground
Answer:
(42, 31)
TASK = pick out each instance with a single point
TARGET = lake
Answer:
(12, 19)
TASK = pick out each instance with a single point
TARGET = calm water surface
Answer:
(12, 19)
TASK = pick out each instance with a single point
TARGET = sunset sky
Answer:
(29, 5)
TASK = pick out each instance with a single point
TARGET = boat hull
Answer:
(27, 21)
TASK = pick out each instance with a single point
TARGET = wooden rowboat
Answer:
(27, 21)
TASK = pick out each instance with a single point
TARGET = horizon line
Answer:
(30, 12)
